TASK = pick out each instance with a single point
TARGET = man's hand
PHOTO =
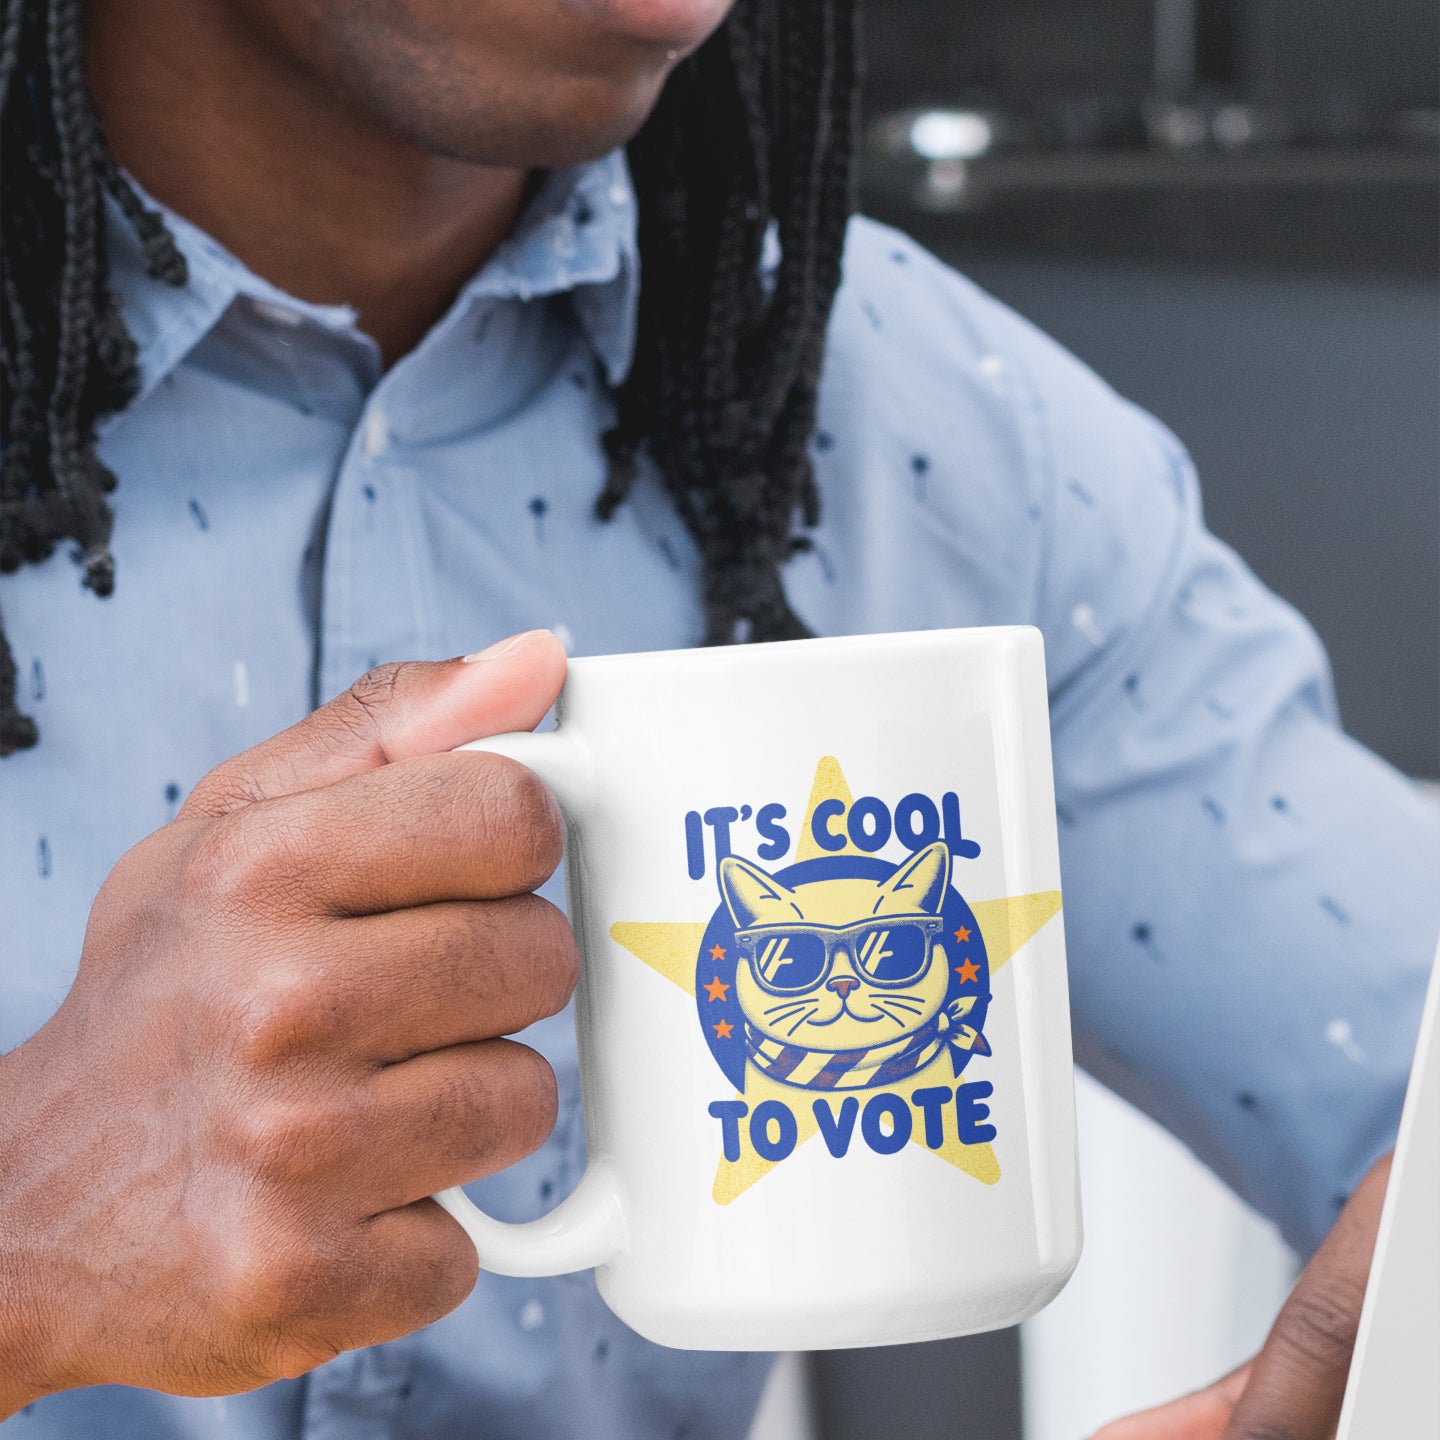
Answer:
(1293, 1389)
(215, 1157)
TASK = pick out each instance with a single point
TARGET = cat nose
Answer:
(842, 985)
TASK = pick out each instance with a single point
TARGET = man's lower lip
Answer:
(679, 24)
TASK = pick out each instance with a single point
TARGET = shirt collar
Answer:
(576, 236)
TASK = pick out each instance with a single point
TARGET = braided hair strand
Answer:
(751, 143)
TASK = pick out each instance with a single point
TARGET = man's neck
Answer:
(285, 175)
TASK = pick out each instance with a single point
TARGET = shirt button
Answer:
(278, 314)
(375, 435)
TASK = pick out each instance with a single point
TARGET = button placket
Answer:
(374, 433)
(351, 582)
(384, 588)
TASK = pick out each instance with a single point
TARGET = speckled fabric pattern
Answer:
(1251, 898)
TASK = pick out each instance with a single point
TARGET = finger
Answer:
(441, 975)
(450, 1116)
(423, 1264)
(468, 826)
(1198, 1416)
(395, 1273)
(392, 713)
(1297, 1383)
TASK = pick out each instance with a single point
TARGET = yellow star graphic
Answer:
(670, 950)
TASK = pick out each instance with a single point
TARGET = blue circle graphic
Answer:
(718, 1006)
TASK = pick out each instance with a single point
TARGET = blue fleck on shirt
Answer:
(1251, 898)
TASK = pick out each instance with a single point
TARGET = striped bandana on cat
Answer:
(859, 1069)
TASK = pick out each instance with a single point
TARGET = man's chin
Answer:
(589, 92)
(583, 120)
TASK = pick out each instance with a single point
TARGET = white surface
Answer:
(1179, 1281)
(786, 1411)
(640, 741)
(1394, 1389)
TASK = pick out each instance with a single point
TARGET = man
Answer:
(393, 332)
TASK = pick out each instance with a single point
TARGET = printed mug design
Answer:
(837, 974)
(843, 994)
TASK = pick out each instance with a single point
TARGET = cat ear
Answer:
(754, 897)
(918, 885)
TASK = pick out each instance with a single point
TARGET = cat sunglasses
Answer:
(789, 959)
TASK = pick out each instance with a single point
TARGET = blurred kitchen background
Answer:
(1231, 210)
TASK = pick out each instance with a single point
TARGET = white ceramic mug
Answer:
(822, 1014)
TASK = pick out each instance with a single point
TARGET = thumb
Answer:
(1297, 1386)
(1202, 1415)
(394, 712)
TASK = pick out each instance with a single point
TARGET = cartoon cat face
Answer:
(841, 964)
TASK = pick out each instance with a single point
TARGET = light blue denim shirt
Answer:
(1251, 898)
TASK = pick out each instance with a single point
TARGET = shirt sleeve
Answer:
(1251, 897)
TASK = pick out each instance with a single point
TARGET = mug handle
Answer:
(588, 1227)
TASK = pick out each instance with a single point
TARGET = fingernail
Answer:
(501, 648)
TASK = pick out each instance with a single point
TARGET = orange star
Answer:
(962, 934)
(716, 990)
(717, 952)
(723, 1030)
(969, 972)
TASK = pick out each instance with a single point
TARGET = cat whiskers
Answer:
(788, 1007)
(899, 1005)
(910, 1011)
(810, 1011)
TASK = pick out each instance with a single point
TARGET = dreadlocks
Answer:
(753, 131)
(65, 356)
(759, 123)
